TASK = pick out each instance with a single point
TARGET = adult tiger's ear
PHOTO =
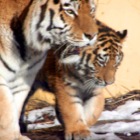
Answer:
(122, 34)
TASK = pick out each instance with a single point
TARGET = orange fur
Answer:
(9, 9)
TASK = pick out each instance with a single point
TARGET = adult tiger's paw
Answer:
(24, 138)
(14, 137)
(79, 135)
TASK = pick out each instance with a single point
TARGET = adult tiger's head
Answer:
(59, 22)
(97, 64)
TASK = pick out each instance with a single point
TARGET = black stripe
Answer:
(99, 23)
(75, 74)
(4, 85)
(16, 26)
(43, 40)
(103, 44)
(25, 11)
(62, 18)
(95, 51)
(43, 85)
(66, 4)
(115, 49)
(110, 41)
(51, 20)
(99, 56)
(43, 12)
(16, 86)
(78, 95)
(63, 32)
(113, 44)
(60, 8)
(105, 29)
(74, 96)
(103, 36)
(55, 27)
(33, 65)
(39, 37)
(83, 94)
(2, 46)
(88, 57)
(59, 114)
(83, 55)
(112, 35)
(116, 40)
(88, 96)
(7, 66)
(68, 84)
(47, 40)
(16, 92)
(56, 1)
(102, 39)
(107, 48)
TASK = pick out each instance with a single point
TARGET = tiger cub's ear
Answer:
(122, 34)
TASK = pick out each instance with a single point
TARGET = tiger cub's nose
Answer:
(109, 82)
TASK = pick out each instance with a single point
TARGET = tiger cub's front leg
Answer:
(70, 112)
(93, 109)
(9, 128)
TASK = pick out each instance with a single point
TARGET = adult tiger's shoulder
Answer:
(8, 10)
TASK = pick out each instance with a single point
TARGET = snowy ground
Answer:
(125, 120)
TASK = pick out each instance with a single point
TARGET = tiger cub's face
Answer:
(97, 64)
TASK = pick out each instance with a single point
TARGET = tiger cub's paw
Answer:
(79, 135)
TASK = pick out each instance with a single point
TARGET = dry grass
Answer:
(112, 103)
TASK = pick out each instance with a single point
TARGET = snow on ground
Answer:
(128, 111)
(37, 115)
(108, 136)
(118, 127)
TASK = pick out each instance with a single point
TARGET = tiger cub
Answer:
(28, 29)
(78, 86)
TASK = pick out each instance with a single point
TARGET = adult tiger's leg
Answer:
(9, 127)
(19, 99)
(70, 113)
(93, 108)
(21, 89)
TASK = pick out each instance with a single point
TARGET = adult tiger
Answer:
(78, 86)
(25, 37)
